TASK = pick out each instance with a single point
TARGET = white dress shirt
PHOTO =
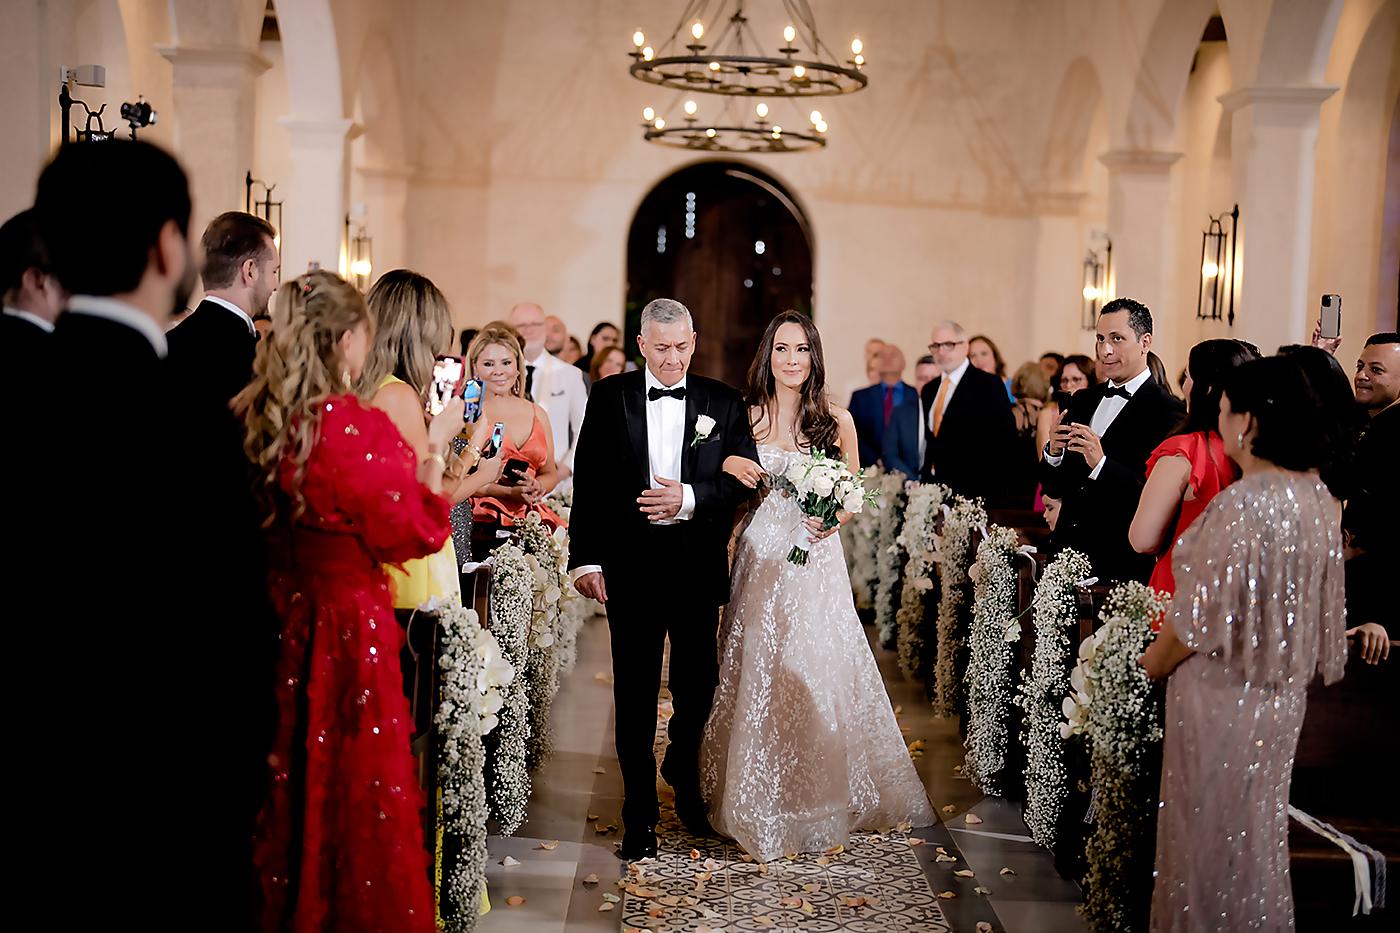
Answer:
(123, 314)
(1110, 407)
(952, 378)
(45, 326)
(247, 319)
(558, 388)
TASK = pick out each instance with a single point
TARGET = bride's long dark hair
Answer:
(816, 424)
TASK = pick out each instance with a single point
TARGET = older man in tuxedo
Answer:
(969, 431)
(1096, 460)
(552, 383)
(211, 351)
(32, 297)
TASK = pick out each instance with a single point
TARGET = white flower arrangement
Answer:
(561, 500)
(512, 608)
(951, 548)
(544, 554)
(1054, 612)
(821, 486)
(858, 541)
(925, 502)
(1122, 720)
(988, 677)
(473, 674)
(889, 556)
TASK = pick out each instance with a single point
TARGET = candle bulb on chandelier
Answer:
(648, 54)
(714, 66)
(639, 39)
(821, 126)
(816, 117)
(660, 124)
(648, 114)
(799, 71)
(762, 111)
(789, 34)
(690, 108)
(698, 31)
(857, 46)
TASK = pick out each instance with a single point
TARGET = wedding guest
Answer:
(1076, 373)
(873, 406)
(873, 346)
(1377, 379)
(1050, 364)
(987, 357)
(1032, 391)
(1345, 419)
(925, 371)
(157, 654)
(339, 843)
(969, 433)
(1096, 459)
(465, 341)
(1258, 610)
(555, 385)
(497, 360)
(603, 336)
(608, 362)
(211, 351)
(556, 335)
(412, 325)
(572, 352)
(32, 297)
(1189, 468)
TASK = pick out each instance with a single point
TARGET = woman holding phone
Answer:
(527, 446)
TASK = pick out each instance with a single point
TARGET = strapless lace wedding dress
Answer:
(802, 746)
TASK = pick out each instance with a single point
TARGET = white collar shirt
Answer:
(43, 325)
(235, 309)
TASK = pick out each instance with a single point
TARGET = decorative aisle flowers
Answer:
(951, 554)
(889, 556)
(512, 608)
(1054, 613)
(858, 540)
(822, 486)
(474, 672)
(988, 677)
(916, 538)
(544, 554)
(1119, 710)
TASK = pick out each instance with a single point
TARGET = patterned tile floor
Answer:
(900, 881)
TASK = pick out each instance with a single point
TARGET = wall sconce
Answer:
(1096, 279)
(1216, 296)
(359, 254)
(267, 208)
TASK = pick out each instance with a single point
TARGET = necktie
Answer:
(889, 403)
(654, 393)
(530, 380)
(939, 401)
(1109, 391)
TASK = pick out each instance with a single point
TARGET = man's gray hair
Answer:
(958, 330)
(666, 311)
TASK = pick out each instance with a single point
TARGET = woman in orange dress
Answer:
(1187, 469)
(497, 360)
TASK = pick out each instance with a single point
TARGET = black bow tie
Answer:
(677, 393)
(1120, 391)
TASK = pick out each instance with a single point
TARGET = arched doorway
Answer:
(729, 242)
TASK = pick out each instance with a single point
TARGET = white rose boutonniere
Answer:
(704, 426)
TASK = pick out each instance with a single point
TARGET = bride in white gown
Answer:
(801, 747)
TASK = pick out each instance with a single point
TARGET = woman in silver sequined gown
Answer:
(1258, 609)
(802, 746)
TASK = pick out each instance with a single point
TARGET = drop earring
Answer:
(1239, 440)
(345, 377)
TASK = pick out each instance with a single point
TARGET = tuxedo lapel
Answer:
(694, 402)
(634, 412)
(1122, 426)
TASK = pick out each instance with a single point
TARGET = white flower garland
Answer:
(473, 674)
(916, 538)
(888, 554)
(988, 678)
(951, 554)
(543, 554)
(1042, 688)
(858, 541)
(1122, 722)
(512, 608)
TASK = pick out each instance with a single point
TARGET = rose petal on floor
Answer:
(515, 900)
(972, 819)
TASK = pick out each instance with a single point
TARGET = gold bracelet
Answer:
(434, 456)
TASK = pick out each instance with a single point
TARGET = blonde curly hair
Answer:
(500, 334)
(298, 366)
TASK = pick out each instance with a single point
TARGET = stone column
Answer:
(386, 198)
(314, 213)
(215, 97)
(1139, 221)
(1273, 149)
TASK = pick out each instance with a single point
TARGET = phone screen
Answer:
(498, 437)
(1331, 316)
(448, 373)
(471, 394)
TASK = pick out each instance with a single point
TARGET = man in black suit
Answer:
(873, 407)
(970, 432)
(653, 510)
(1096, 460)
(32, 297)
(211, 351)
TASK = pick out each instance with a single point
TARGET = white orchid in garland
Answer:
(988, 677)
(921, 512)
(951, 554)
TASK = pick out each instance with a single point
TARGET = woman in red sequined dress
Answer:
(339, 844)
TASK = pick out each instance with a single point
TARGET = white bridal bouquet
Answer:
(822, 486)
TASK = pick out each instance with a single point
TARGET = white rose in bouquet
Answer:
(796, 473)
(823, 483)
(853, 501)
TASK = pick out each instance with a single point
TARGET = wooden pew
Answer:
(1347, 773)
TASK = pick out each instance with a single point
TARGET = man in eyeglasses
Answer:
(969, 430)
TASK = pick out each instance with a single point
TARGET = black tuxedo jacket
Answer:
(211, 353)
(22, 345)
(973, 451)
(612, 468)
(1096, 513)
